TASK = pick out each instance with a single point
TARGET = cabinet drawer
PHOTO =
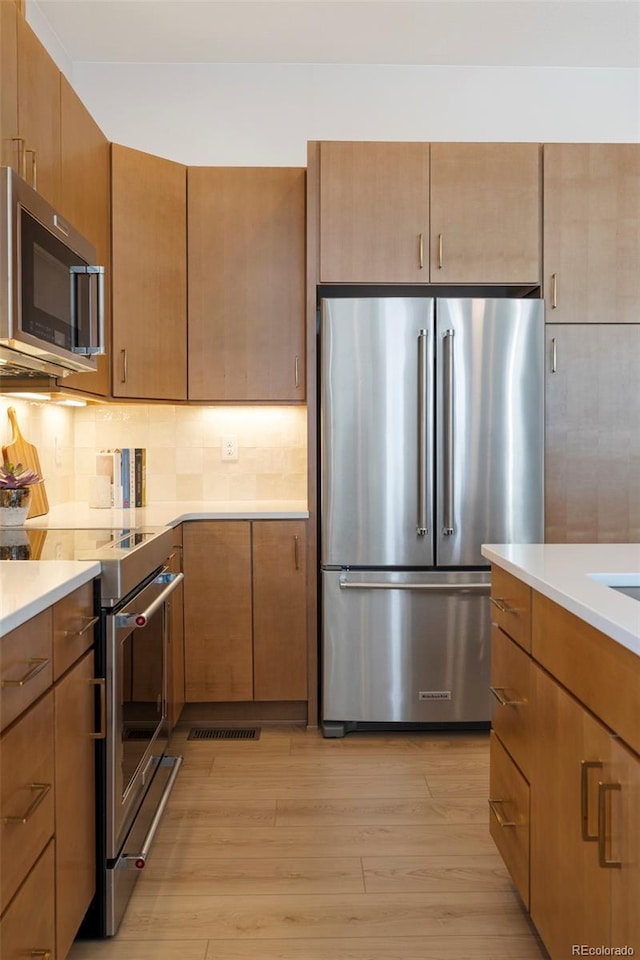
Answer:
(28, 927)
(73, 623)
(25, 666)
(26, 794)
(511, 606)
(511, 687)
(598, 671)
(509, 816)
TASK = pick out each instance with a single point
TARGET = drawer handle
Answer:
(603, 789)
(37, 665)
(498, 693)
(91, 621)
(100, 683)
(45, 954)
(503, 606)
(43, 790)
(494, 806)
(585, 766)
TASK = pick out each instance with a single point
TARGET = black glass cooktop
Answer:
(50, 544)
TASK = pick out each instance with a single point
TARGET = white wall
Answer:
(263, 114)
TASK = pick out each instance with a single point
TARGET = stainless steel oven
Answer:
(134, 777)
(135, 651)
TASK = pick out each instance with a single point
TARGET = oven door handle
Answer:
(173, 581)
(139, 860)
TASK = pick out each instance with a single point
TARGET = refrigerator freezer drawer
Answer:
(402, 647)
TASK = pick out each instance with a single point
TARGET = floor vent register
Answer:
(208, 733)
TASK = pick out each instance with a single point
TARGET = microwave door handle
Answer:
(96, 345)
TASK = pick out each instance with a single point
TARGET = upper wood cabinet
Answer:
(85, 201)
(9, 152)
(592, 232)
(38, 114)
(592, 433)
(485, 213)
(29, 105)
(149, 265)
(374, 212)
(246, 283)
(440, 213)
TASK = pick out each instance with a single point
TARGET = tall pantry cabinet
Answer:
(592, 294)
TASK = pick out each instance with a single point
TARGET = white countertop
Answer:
(575, 576)
(170, 514)
(27, 589)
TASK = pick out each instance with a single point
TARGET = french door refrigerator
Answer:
(431, 443)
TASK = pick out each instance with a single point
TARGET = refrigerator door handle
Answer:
(483, 588)
(448, 521)
(422, 434)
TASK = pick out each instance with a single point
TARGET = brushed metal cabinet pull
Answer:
(41, 789)
(37, 666)
(421, 250)
(125, 366)
(494, 806)
(585, 766)
(440, 251)
(100, 683)
(603, 790)
(554, 291)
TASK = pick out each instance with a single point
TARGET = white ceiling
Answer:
(571, 33)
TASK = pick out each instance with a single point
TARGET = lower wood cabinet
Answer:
(47, 780)
(27, 929)
(75, 800)
(245, 610)
(565, 780)
(570, 892)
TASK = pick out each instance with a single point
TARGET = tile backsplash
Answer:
(183, 446)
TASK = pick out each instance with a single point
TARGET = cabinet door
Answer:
(246, 283)
(279, 610)
(149, 259)
(176, 636)
(485, 213)
(85, 200)
(570, 892)
(592, 232)
(9, 149)
(39, 113)
(592, 439)
(374, 212)
(75, 801)
(217, 611)
(624, 770)
(28, 927)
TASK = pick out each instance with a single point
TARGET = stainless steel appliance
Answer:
(51, 291)
(134, 776)
(431, 441)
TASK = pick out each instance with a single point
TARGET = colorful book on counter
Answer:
(134, 476)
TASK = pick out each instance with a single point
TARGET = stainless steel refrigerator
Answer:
(431, 443)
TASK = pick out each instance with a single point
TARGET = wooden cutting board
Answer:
(19, 451)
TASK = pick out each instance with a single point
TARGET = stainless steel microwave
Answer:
(51, 291)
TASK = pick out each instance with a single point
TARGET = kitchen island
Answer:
(565, 743)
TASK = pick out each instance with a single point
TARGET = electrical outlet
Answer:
(229, 449)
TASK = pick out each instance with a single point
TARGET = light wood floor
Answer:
(374, 847)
